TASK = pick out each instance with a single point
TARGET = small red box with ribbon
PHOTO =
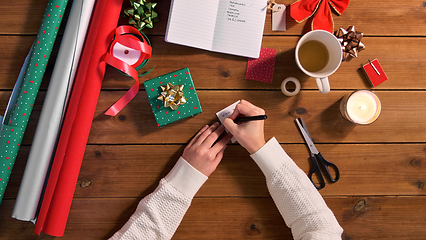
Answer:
(375, 72)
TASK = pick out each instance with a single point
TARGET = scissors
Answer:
(317, 158)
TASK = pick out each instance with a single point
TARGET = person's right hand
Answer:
(249, 134)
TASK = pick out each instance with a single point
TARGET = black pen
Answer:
(252, 118)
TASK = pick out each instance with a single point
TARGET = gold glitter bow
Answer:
(172, 95)
(351, 41)
(141, 14)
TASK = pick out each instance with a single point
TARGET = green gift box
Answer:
(165, 115)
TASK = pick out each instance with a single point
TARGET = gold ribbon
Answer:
(350, 41)
(172, 95)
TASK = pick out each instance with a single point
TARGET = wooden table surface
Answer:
(380, 194)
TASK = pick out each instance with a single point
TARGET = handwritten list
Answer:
(227, 26)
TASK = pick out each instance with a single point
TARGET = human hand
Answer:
(249, 134)
(202, 153)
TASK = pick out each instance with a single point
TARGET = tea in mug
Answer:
(313, 56)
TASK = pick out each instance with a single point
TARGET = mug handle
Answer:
(323, 85)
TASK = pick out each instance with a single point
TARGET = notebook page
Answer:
(192, 23)
(239, 27)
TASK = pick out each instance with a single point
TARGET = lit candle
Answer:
(361, 107)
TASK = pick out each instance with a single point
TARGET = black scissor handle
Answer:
(315, 169)
(326, 165)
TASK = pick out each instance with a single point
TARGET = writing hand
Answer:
(249, 134)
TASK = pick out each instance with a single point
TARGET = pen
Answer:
(251, 118)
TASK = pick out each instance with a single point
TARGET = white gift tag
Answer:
(278, 18)
(225, 113)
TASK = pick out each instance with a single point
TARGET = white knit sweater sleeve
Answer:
(159, 214)
(300, 204)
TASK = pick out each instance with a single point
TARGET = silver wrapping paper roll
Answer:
(53, 110)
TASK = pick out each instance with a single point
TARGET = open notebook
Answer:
(226, 26)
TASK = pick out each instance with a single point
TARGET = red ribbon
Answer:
(127, 36)
(304, 9)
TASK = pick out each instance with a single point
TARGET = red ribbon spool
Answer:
(126, 37)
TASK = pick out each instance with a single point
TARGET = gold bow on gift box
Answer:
(172, 95)
(351, 41)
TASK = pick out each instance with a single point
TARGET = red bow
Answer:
(304, 9)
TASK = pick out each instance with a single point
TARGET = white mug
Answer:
(334, 50)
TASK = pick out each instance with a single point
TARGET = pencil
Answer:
(251, 118)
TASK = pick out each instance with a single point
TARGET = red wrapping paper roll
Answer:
(75, 131)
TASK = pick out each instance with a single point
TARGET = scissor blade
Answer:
(307, 138)
(304, 126)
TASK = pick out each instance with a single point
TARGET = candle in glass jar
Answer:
(361, 107)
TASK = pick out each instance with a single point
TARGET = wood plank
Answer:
(401, 120)
(237, 218)
(120, 171)
(402, 18)
(134, 171)
(220, 71)
(21, 17)
(379, 18)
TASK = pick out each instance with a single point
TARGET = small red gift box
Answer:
(374, 72)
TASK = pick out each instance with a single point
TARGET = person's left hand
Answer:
(202, 152)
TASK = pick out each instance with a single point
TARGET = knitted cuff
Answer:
(271, 157)
(186, 178)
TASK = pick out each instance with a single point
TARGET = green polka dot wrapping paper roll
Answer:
(165, 115)
(10, 140)
(12, 131)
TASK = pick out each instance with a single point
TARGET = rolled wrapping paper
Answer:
(12, 131)
(53, 111)
(7, 113)
(75, 130)
(16, 88)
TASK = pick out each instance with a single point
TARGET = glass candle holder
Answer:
(361, 107)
